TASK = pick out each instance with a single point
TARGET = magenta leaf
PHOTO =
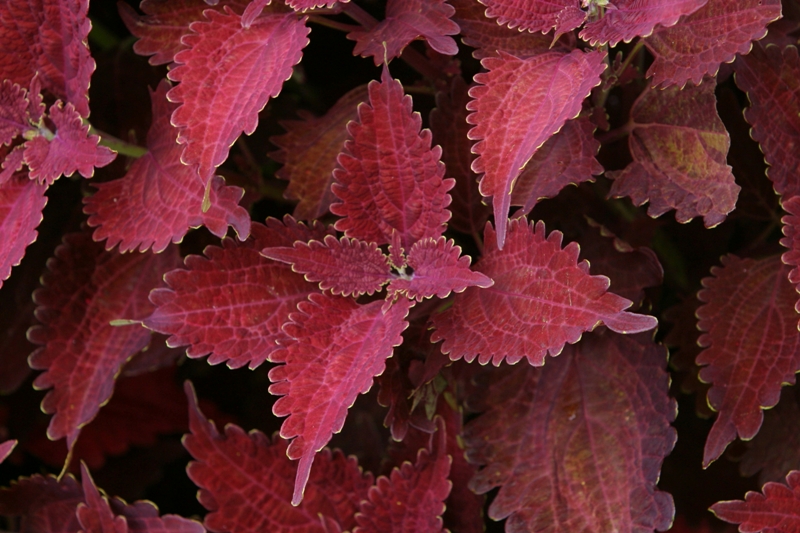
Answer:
(541, 93)
(566, 158)
(412, 498)
(6, 448)
(536, 15)
(45, 503)
(232, 303)
(542, 298)
(304, 5)
(712, 35)
(777, 510)
(666, 126)
(751, 345)
(309, 150)
(439, 269)
(15, 116)
(333, 350)
(625, 19)
(390, 178)
(84, 292)
(771, 79)
(21, 203)
(246, 481)
(160, 198)
(226, 76)
(71, 149)
(577, 445)
(48, 38)
(345, 266)
(405, 21)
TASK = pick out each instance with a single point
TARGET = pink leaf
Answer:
(541, 93)
(226, 77)
(391, 178)
(6, 448)
(246, 481)
(439, 269)
(309, 150)
(542, 298)
(577, 445)
(48, 38)
(21, 203)
(679, 147)
(304, 5)
(751, 345)
(536, 15)
(232, 303)
(85, 290)
(712, 35)
(777, 510)
(160, 198)
(15, 116)
(335, 347)
(71, 148)
(346, 266)
(625, 19)
(44, 503)
(405, 21)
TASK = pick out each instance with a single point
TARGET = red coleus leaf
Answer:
(232, 303)
(537, 15)
(45, 503)
(21, 203)
(773, 452)
(94, 514)
(712, 35)
(577, 445)
(15, 107)
(226, 76)
(542, 298)
(541, 93)
(405, 21)
(566, 158)
(791, 240)
(246, 481)
(390, 178)
(48, 38)
(777, 510)
(309, 150)
(752, 345)
(84, 292)
(6, 448)
(333, 350)
(303, 5)
(412, 498)
(679, 147)
(160, 198)
(771, 79)
(71, 149)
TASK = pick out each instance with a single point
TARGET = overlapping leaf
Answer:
(246, 482)
(232, 303)
(85, 290)
(679, 147)
(752, 345)
(15, 116)
(542, 298)
(21, 203)
(333, 350)
(518, 106)
(577, 445)
(160, 198)
(538, 15)
(771, 79)
(308, 151)
(43, 502)
(712, 35)
(226, 76)
(774, 451)
(390, 178)
(776, 510)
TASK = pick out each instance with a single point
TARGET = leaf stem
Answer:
(118, 145)
(634, 52)
(616, 134)
(328, 23)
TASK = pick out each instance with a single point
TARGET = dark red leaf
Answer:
(21, 204)
(6, 448)
(540, 94)
(542, 298)
(774, 451)
(154, 356)
(45, 503)
(308, 151)
(333, 350)
(777, 510)
(94, 513)
(85, 290)
(232, 303)
(246, 482)
(226, 76)
(771, 79)
(625, 19)
(791, 240)
(679, 147)
(577, 445)
(390, 178)
(537, 15)
(160, 198)
(710, 36)
(751, 345)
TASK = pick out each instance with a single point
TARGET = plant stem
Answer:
(118, 145)
(616, 134)
(634, 52)
(328, 23)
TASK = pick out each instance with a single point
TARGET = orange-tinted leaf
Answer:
(777, 510)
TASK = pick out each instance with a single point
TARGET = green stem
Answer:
(118, 145)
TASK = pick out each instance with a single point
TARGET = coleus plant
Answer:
(370, 254)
